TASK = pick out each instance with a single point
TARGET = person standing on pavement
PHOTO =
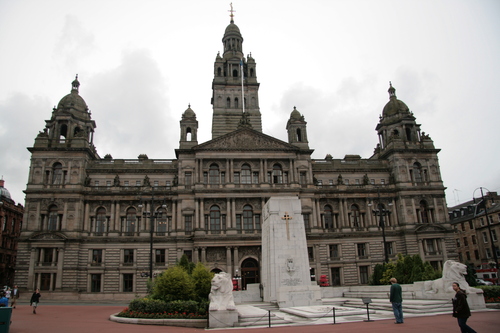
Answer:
(14, 296)
(35, 298)
(396, 298)
(4, 302)
(461, 309)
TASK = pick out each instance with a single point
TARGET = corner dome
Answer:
(295, 114)
(394, 106)
(189, 113)
(73, 100)
(3, 191)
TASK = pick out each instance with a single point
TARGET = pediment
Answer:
(48, 236)
(429, 228)
(245, 139)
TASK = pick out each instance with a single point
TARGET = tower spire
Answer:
(231, 11)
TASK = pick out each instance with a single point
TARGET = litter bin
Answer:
(5, 315)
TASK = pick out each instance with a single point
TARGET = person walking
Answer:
(396, 298)
(14, 296)
(461, 309)
(35, 299)
(4, 302)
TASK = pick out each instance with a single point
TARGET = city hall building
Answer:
(96, 227)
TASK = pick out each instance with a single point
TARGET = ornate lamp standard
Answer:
(152, 214)
(381, 212)
(488, 225)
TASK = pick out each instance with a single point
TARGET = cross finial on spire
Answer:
(231, 11)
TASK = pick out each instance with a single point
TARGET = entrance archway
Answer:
(250, 272)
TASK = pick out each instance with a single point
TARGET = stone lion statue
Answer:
(221, 293)
(453, 271)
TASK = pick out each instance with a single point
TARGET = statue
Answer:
(453, 271)
(221, 293)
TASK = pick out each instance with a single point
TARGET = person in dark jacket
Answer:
(396, 298)
(461, 309)
(35, 298)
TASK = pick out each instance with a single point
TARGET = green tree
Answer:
(174, 284)
(378, 272)
(202, 278)
(186, 264)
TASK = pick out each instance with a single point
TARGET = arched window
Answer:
(328, 216)
(100, 220)
(417, 172)
(53, 223)
(246, 174)
(131, 221)
(57, 174)
(298, 135)
(235, 73)
(408, 133)
(251, 72)
(188, 134)
(228, 102)
(214, 174)
(215, 219)
(277, 174)
(219, 71)
(63, 132)
(247, 217)
(161, 221)
(236, 103)
(355, 217)
(424, 212)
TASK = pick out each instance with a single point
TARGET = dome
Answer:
(394, 106)
(189, 113)
(3, 191)
(73, 100)
(295, 114)
(232, 29)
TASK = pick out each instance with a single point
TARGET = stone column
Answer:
(31, 268)
(65, 214)
(236, 258)
(60, 264)
(204, 254)
(229, 260)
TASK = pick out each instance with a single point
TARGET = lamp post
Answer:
(152, 214)
(381, 212)
(483, 200)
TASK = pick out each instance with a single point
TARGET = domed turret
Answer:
(189, 113)
(73, 101)
(394, 106)
(3, 191)
(189, 129)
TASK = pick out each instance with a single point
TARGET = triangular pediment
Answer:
(245, 139)
(423, 228)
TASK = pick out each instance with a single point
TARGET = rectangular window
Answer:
(310, 253)
(363, 274)
(334, 251)
(471, 225)
(156, 183)
(307, 224)
(488, 253)
(160, 257)
(390, 247)
(189, 255)
(494, 235)
(362, 250)
(188, 224)
(48, 256)
(467, 254)
(137, 183)
(128, 283)
(96, 257)
(257, 221)
(372, 181)
(125, 183)
(303, 178)
(96, 183)
(485, 237)
(382, 181)
(335, 276)
(187, 178)
(167, 184)
(45, 281)
(108, 183)
(95, 283)
(458, 242)
(205, 178)
(476, 254)
(346, 181)
(320, 182)
(236, 177)
(463, 226)
(128, 256)
(357, 181)
(255, 177)
(222, 177)
(474, 240)
(238, 222)
(466, 242)
(246, 177)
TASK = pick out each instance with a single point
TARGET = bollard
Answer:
(269, 311)
(333, 315)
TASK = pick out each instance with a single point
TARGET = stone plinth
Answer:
(285, 263)
(222, 318)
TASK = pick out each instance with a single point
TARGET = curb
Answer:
(195, 323)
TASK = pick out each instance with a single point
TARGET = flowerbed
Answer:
(127, 313)
(158, 309)
(491, 293)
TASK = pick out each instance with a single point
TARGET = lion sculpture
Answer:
(221, 293)
(453, 271)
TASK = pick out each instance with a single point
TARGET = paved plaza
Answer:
(84, 318)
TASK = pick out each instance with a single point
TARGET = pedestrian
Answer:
(14, 296)
(35, 298)
(7, 293)
(4, 302)
(396, 298)
(461, 309)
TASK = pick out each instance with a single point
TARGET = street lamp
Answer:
(381, 212)
(152, 214)
(483, 201)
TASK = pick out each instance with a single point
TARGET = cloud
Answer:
(22, 117)
(130, 108)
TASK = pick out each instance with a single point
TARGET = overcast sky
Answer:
(140, 63)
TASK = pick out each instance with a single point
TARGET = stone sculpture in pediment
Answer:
(48, 236)
(245, 139)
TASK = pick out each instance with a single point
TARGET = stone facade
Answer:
(87, 228)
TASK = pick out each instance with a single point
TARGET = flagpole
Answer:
(242, 87)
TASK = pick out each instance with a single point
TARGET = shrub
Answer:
(147, 305)
(174, 284)
(406, 269)
(202, 278)
(491, 293)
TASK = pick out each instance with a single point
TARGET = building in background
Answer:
(477, 228)
(11, 219)
(97, 227)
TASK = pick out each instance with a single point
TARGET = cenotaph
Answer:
(285, 275)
